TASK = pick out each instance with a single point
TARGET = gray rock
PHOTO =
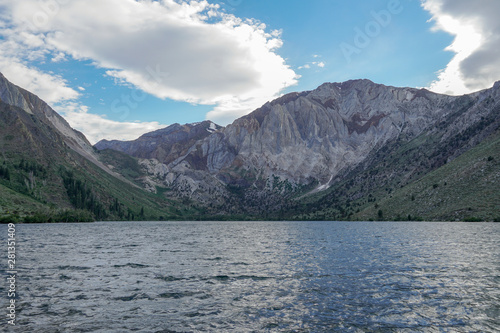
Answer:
(302, 138)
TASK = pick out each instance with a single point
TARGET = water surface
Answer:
(257, 277)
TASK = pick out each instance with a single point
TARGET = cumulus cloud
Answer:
(187, 51)
(476, 45)
(50, 88)
(98, 127)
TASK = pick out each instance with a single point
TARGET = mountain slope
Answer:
(389, 188)
(317, 153)
(314, 135)
(164, 145)
(44, 115)
(465, 188)
(48, 170)
(352, 150)
(406, 161)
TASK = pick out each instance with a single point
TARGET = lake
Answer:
(255, 277)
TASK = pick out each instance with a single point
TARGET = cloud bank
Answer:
(98, 127)
(476, 45)
(186, 51)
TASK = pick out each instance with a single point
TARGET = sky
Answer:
(115, 69)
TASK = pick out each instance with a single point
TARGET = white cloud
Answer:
(97, 127)
(476, 28)
(59, 57)
(188, 51)
(17, 49)
(309, 64)
(50, 88)
(54, 90)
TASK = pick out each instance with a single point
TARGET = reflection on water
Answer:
(258, 276)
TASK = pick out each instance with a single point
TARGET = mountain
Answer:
(465, 188)
(314, 135)
(354, 150)
(328, 153)
(36, 112)
(448, 171)
(49, 171)
(165, 144)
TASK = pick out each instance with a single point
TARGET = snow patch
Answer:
(212, 128)
(324, 186)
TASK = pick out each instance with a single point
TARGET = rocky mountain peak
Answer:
(11, 94)
(355, 144)
(32, 104)
(44, 127)
(166, 144)
(316, 134)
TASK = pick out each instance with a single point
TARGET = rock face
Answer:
(50, 172)
(301, 138)
(360, 147)
(312, 136)
(164, 145)
(13, 95)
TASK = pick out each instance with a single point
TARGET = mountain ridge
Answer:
(309, 139)
(55, 172)
(343, 151)
(164, 144)
(320, 127)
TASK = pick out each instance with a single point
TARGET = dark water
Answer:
(257, 277)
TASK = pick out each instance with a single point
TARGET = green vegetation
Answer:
(464, 189)
(72, 189)
(81, 197)
(437, 175)
(124, 164)
(413, 181)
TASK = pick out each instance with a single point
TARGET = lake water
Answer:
(256, 277)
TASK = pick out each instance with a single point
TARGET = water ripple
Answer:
(258, 276)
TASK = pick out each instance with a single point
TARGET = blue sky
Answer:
(118, 68)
